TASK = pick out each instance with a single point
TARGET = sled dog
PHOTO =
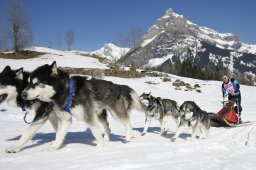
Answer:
(161, 109)
(192, 115)
(83, 99)
(12, 83)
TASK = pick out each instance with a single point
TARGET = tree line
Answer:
(210, 72)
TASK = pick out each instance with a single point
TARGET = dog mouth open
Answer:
(3, 97)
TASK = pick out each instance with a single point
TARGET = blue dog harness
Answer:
(69, 98)
(47, 110)
(50, 105)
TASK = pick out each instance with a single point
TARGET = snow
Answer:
(166, 16)
(248, 48)
(229, 149)
(111, 52)
(63, 59)
(157, 61)
(147, 41)
(190, 23)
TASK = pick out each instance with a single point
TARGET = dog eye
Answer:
(37, 83)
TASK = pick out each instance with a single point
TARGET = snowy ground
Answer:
(64, 59)
(229, 149)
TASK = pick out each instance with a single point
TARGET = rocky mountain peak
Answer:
(173, 38)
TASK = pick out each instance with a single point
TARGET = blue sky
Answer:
(96, 22)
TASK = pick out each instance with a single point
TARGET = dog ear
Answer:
(181, 107)
(54, 69)
(196, 107)
(149, 94)
(19, 74)
(7, 68)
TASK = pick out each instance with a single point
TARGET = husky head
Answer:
(11, 82)
(187, 110)
(146, 98)
(45, 83)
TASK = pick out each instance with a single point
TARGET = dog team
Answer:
(57, 96)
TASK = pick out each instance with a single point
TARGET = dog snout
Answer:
(24, 95)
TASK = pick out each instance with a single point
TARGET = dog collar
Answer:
(69, 98)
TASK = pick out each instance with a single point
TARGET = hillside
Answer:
(63, 58)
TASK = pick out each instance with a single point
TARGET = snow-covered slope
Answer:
(111, 52)
(174, 37)
(63, 59)
(229, 149)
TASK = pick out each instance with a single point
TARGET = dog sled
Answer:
(227, 116)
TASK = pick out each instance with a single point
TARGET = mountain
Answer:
(111, 52)
(173, 38)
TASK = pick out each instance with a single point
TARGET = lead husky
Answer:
(85, 99)
(192, 115)
(12, 83)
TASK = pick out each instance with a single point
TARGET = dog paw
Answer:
(163, 132)
(106, 139)
(143, 133)
(173, 139)
(52, 147)
(100, 145)
(12, 149)
(128, 139)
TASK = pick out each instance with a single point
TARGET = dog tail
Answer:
(137, 104)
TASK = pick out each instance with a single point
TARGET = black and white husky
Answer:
(160, 109)
(192, 115)
(83, 99)
(12, 83)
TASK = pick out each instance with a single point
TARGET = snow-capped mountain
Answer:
(111, 52)
(174, 37)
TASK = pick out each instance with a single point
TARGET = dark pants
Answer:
(237, 100)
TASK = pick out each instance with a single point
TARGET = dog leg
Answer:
(54, 121)
(147, 124)
(103, 120)
(64, 122)
(128, 127)
(163, 126)
(177, 134)
(201, 132)
(161, 121)
(95, 129)
(205, 131)
(30, 132)
(194, 132)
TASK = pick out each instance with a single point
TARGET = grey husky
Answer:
(161, 109)
(83, 99)
(192, 115)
